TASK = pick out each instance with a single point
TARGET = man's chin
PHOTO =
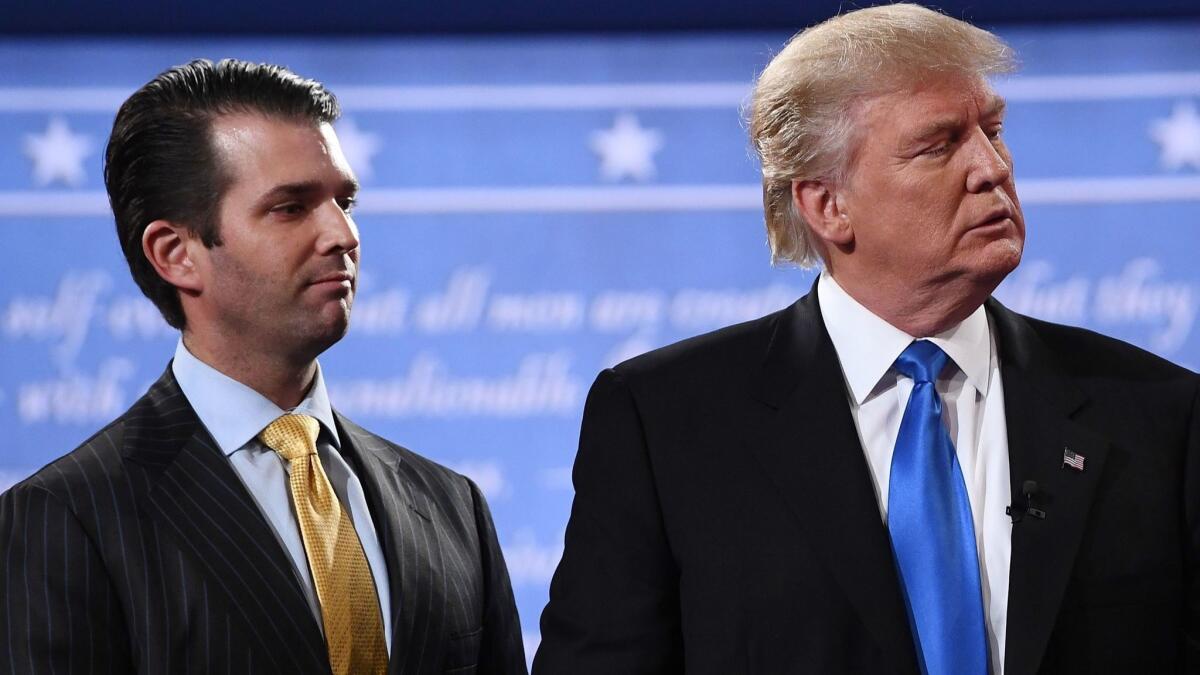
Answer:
(323, 332)
(334, 331)
(1008, 254)
(997, 261)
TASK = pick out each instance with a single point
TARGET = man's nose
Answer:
(990, 163)
(338, 231)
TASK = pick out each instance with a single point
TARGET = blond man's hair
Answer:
(802, 115)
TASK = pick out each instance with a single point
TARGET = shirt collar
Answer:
(867, 346)
(234, 413)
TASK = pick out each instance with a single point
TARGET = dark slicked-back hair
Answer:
(161, 163)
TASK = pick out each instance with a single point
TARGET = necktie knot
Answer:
(292, 436)
(922, 361)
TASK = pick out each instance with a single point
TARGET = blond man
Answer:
(896, 474)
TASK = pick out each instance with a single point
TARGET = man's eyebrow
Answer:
(995, 107)
(937, 128)
(305, 188)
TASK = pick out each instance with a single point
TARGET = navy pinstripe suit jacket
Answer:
(141, 551)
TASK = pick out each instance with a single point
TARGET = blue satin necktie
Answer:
(933, 535)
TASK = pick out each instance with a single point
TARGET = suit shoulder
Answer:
(429, 488)
(98, 456)
(736, 348)
(1086, 352)
(437, 474)
(416, 467)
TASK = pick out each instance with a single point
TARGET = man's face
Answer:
(930, 195)
(284, 277)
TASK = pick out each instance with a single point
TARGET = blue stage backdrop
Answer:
(535, 209)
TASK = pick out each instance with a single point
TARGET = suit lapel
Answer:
(194, 494)
(1039, 403)
(812, 453)
(404, 519)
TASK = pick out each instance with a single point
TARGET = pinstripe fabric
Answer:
(453, 605)
(141, 551)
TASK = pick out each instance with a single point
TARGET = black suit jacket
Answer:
(725, 521)
(141, 551)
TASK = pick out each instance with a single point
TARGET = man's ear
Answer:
(169, 247)
(824, 209)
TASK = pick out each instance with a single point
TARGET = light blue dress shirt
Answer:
(234, 414)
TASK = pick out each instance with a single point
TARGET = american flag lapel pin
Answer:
(1072, 459)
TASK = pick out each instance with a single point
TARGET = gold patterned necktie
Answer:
(345, 587)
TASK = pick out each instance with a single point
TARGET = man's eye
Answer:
(994, 133)
(348, 204)
(289, 209)
(939, 149)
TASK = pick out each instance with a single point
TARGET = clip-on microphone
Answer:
(1029, 488)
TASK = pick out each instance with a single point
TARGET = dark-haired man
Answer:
(231, 521)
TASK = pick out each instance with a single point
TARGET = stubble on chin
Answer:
(314, 333)
(336, 324)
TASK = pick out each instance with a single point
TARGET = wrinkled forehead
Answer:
(921, 99)
(903, 108)
(967, 87)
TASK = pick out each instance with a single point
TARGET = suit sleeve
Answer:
(1191, 492)
(58, 611)
(501, 649)
(614, 599)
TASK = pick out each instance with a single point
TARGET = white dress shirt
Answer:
(234, 414)
(973, 410)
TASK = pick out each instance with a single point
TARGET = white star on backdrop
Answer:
(1178, 137)
(359, 147)
(627, 149)
(58, 154)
